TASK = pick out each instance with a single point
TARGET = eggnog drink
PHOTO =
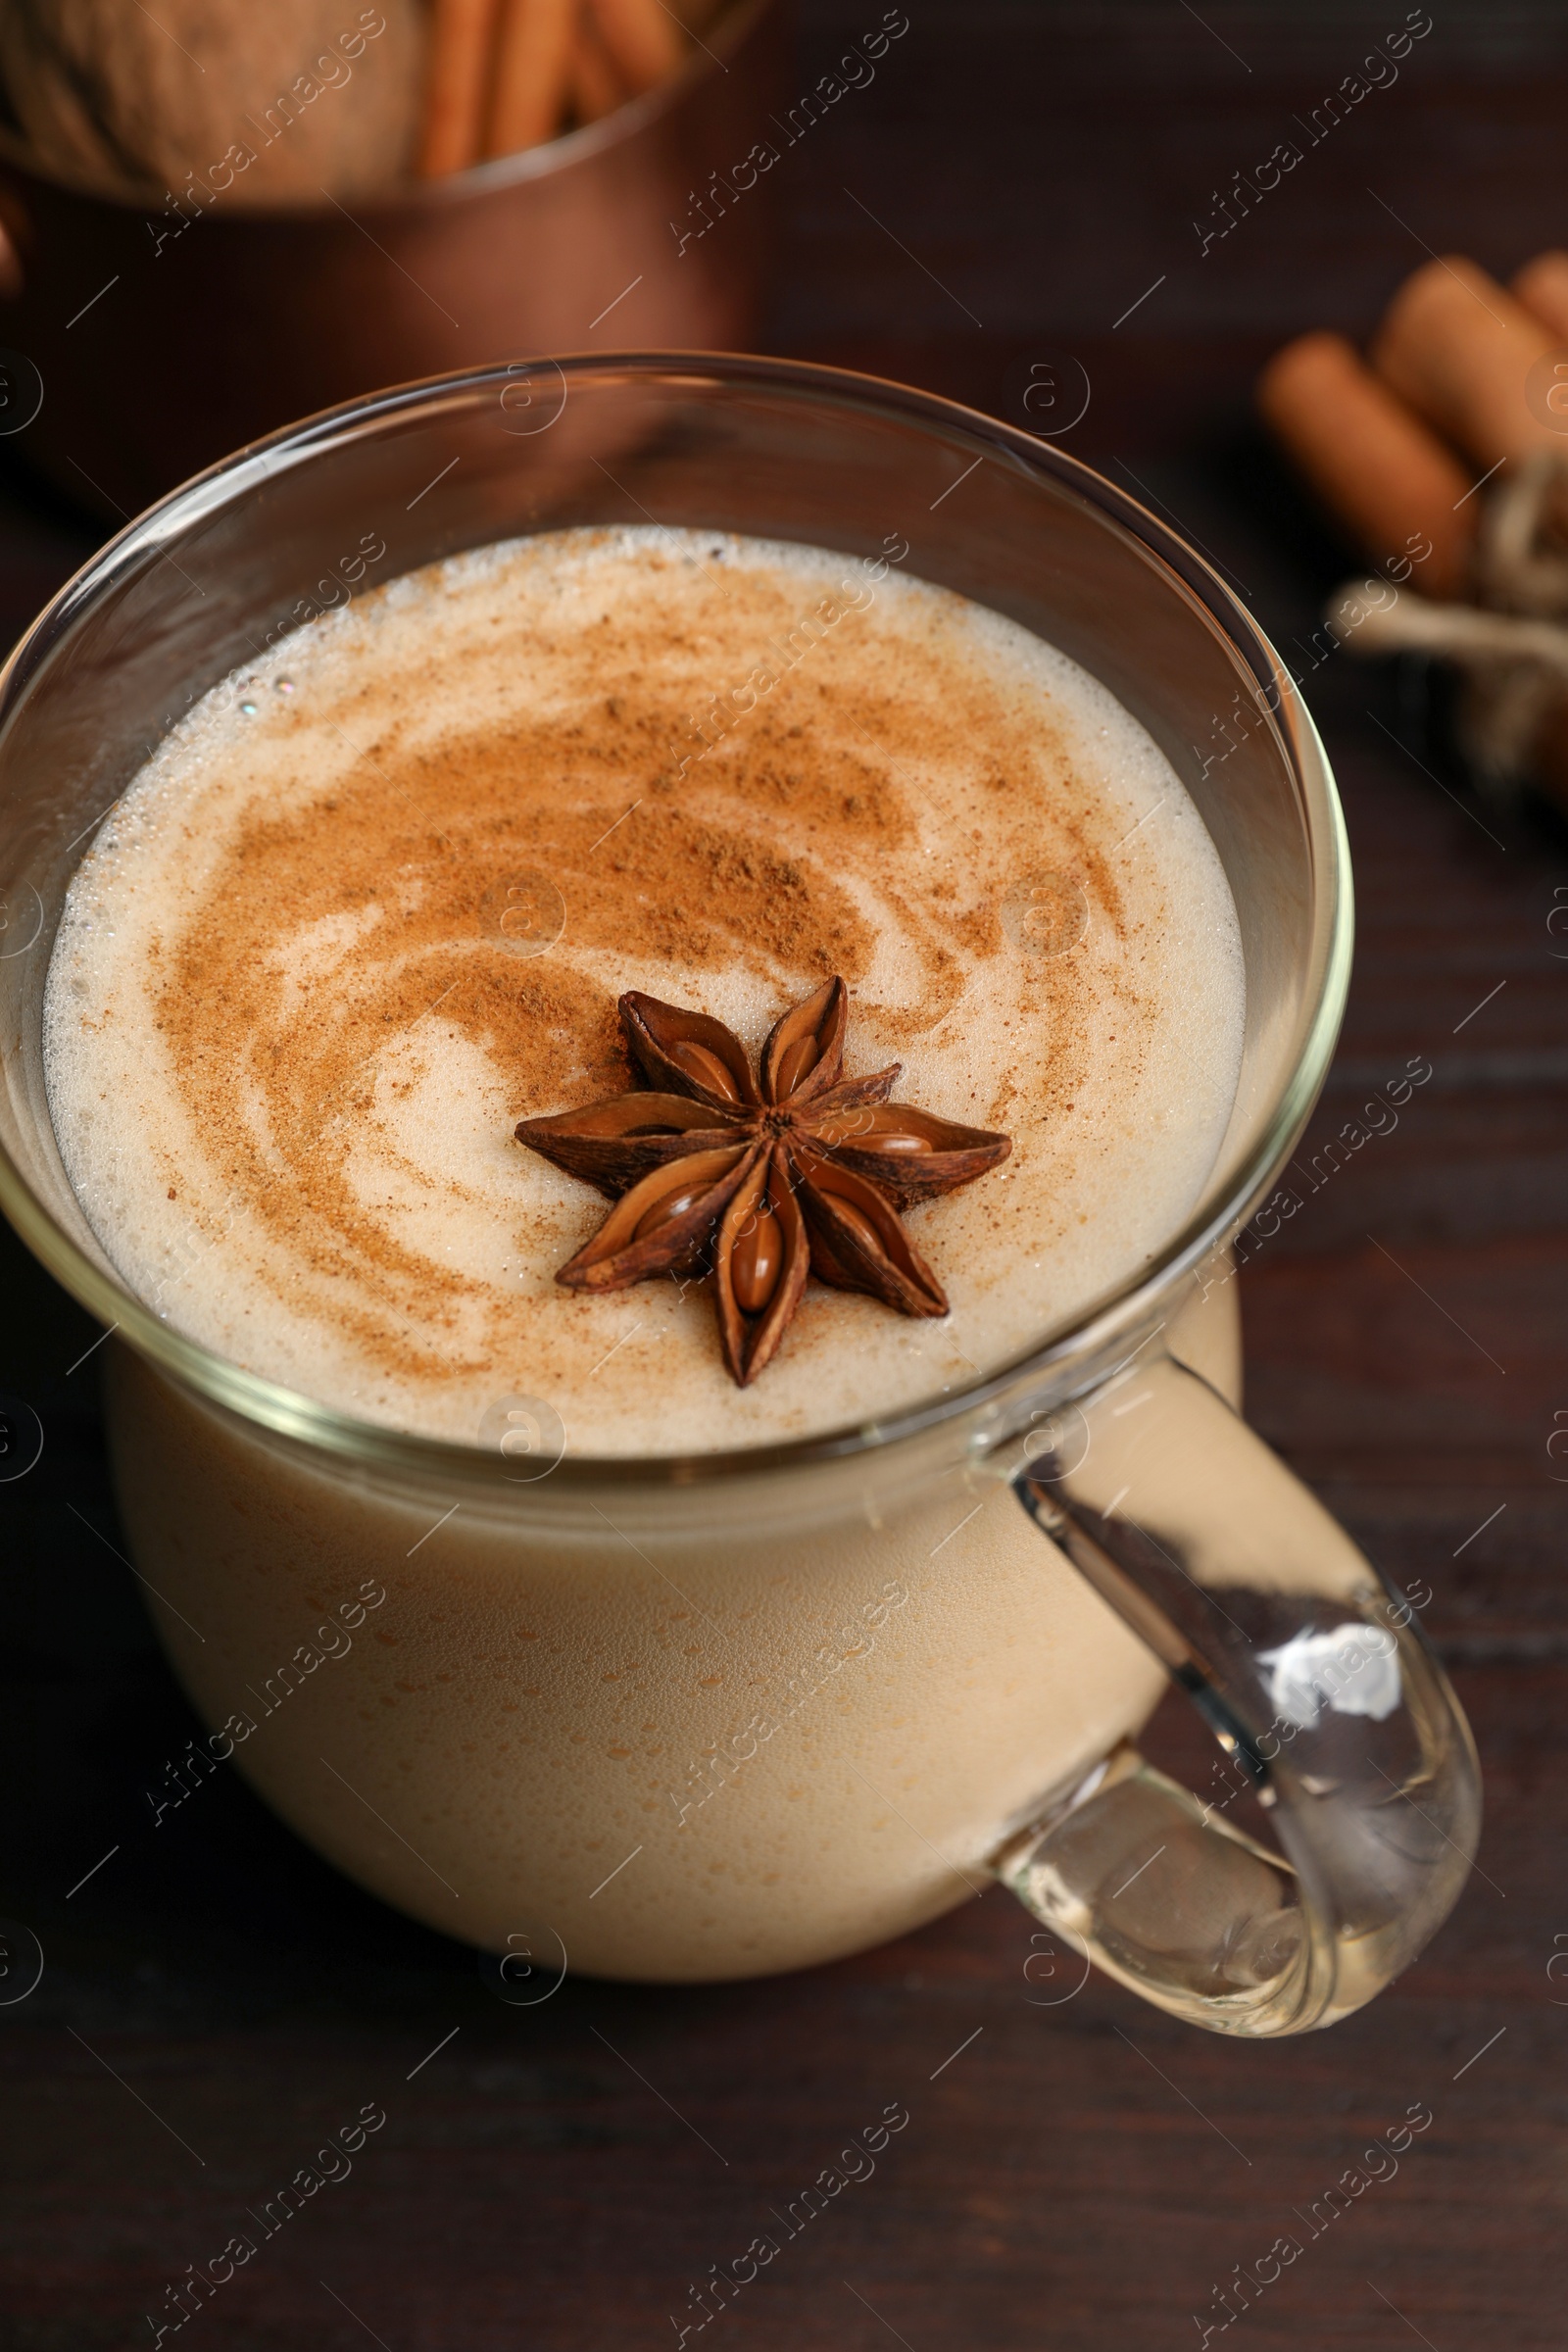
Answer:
(375, 903)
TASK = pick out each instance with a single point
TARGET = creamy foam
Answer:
(289, 1031)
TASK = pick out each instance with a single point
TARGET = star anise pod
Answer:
(796, 1169)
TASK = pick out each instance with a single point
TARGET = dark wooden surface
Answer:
(215, 2000)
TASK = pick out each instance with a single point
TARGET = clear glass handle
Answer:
(1316, 1683)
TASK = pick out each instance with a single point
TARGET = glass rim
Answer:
(1088, 1334)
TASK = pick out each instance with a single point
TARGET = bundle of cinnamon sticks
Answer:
(1457, 382)
(504, 75)
(1443, 453)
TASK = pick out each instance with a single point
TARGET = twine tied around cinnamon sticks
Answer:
(1510, 645)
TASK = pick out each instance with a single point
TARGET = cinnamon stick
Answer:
(1460, 349)
(532, 70)
(1542, 285)
(595, 88)
(456, 78)
(1379, 470)
(643, 40)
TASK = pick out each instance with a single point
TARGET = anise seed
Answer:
(890, 1138)
(794, 1064)
(757, 1262)
(861, 1225)
(664, 1211)
(706, 1067)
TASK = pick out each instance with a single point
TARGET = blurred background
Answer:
(1042, 211)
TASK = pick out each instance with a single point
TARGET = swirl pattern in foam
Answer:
(289, 1034)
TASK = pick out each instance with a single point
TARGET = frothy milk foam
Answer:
(290, 1033)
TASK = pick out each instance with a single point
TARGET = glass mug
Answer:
(685, 1719)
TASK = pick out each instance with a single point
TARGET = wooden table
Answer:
(1021, 186)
